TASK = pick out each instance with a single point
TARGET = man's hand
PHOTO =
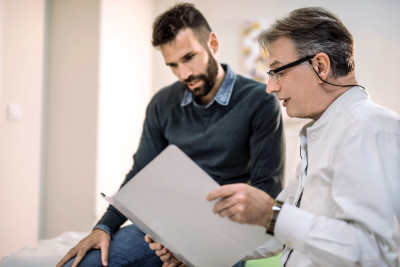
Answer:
(243, 203)
(97, 239)
(165, 256)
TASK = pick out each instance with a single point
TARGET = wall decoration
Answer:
(255, 63)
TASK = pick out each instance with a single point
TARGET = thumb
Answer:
(104, 253)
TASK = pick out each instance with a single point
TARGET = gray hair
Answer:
(314, 30)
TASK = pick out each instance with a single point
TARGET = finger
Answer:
(223, 204)
(223, 191)
(236, 218)
(170, 264)
(78, 258)
(71, 253)
(81, 254)
(152, 246)
(104, 253)
(161, 252)
(158, 253)
(165, 257)
(148, 239)
(155, 246)
(229, 212)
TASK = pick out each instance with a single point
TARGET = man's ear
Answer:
(213, 43)
(322, 65)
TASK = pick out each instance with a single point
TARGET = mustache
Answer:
(194, 77)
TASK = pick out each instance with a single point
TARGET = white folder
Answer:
(167, 200)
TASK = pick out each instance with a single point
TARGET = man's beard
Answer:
(208, 78)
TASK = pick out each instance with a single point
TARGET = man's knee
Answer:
(91, 259)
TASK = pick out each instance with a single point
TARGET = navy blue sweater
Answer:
(242, 142)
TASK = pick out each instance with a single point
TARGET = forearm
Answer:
(331, 242)
(112, 218)
(111, 221)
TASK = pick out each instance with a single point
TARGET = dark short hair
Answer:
(313, 30)
(181, 16)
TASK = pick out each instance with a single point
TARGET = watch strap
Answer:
(275, 212)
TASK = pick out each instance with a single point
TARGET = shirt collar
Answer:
(342, 102)
(347, 98)
(224, 92)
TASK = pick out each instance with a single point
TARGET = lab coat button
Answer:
(314, 136)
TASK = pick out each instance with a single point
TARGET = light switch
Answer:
(14, 112)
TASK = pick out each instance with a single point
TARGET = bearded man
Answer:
(224, 122)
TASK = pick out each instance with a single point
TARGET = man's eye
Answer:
(188, 57)
(280, 74)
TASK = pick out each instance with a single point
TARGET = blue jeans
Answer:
(127, 249)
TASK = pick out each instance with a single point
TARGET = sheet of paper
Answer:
(167, 200)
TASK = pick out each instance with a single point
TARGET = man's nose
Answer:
(184, 72)
(272, 86)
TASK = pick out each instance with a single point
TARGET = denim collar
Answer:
(223, 95)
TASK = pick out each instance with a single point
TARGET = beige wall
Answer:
(1, 54)
(71, 117)
(56, 50)
(99, 85)
(21, 86)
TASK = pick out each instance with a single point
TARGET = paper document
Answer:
(167, 200)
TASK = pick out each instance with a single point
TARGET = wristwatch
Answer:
(275, 212)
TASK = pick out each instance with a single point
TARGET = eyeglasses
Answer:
(274, 73)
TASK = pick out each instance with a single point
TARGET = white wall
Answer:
(1, 54)
(71, 117)
(21, 84)
(91, 125)
(125, 82)
(99, 86)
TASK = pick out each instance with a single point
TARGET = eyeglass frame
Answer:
(273, 73)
